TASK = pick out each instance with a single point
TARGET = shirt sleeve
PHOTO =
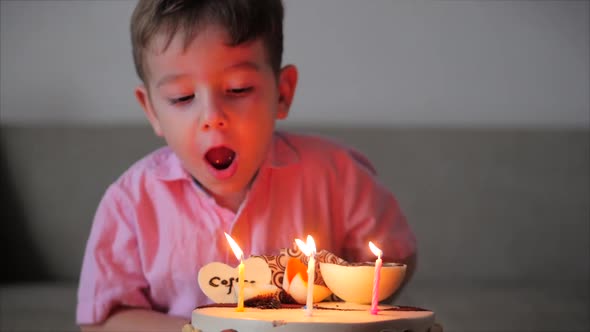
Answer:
(372, 213)
(111, 273)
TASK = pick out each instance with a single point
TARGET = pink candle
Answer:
(377, 278)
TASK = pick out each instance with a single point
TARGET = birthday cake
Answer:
(275, 296)
(327, 317)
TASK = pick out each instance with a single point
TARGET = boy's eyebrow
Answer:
(169, 78)
(244, 64)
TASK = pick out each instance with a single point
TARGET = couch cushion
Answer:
(38, 307)
(486, 204)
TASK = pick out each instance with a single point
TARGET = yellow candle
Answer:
(240, 256)
(241, 286)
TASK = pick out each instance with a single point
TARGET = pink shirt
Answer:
(155, 228)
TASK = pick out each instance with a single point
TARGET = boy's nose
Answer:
(213, 117)
(214, 124)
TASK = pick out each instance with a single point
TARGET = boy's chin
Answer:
(234, 186)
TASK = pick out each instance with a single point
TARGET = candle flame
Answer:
(234, 247)
(311, 244)
(302, 246)
(375, 250)
(308, 248)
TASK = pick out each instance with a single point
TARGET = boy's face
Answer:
(216, 106)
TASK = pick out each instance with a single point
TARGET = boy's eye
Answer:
(240, 91)
(181, 100)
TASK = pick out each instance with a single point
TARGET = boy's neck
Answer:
(231, 202)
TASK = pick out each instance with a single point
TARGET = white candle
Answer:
(240, 256)
(376, 279)
(310, 284)
(309, 250)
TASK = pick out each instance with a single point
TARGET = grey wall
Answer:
(400, 63)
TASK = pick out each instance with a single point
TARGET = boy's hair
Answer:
(244, 20)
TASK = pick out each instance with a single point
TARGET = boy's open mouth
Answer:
(220, 157)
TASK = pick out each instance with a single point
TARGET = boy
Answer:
(212, 87)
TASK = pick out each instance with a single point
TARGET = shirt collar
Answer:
(168, 167)
(281, 154)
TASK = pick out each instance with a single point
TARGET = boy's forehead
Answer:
(210, 38)
(201, 48)
(182, 38)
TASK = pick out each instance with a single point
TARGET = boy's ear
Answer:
(144, 101)
(287, 86)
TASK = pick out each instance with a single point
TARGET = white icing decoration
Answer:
(251, 291)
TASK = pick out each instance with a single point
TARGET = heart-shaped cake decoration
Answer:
(219, 281)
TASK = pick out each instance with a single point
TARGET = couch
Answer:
(501, 216)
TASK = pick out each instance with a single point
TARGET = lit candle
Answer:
(378, 263)
(309, 250)
(240, 256)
